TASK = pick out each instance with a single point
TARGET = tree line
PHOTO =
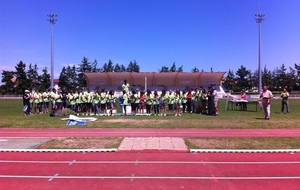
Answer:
(71, 77)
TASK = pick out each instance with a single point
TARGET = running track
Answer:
(136, 170)
(153, 132)
(149, 171)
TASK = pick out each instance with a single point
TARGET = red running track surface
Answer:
(85, 170)
(154, 132)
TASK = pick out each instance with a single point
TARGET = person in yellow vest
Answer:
(36, 101)
(285, 101)
(126, 86)
(103, 101)
(58, 100)
(46, 99)
(177, 101)
(155, 103)
(96, 102)
(125, 102)
(112, 101)
(164, 103)
(89, 101)
(149, 101)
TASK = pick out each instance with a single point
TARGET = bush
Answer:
(64, 113)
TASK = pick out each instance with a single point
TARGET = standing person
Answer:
(244, 98)
(210, 101)
(125, 86)
(184, 101)
(266, 96)
(133, 98)
(177, 102)
(112, 101)
(125, 101)
(46, 99)
(149, 100)
(103, 101)
(216, 101)
(284, 101)
(26, 103)
(164, 102)
(142, 102)
(171, 97)
(156, 103)
(189, 101)
(203, 102)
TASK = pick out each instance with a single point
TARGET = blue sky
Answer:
(218, 34)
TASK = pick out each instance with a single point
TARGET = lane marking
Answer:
(56, 176)
(147, 162)
(72, 162)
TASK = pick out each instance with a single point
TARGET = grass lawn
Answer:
(12, 117)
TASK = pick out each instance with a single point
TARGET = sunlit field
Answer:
(12, 117)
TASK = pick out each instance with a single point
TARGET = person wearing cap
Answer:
(26, 103)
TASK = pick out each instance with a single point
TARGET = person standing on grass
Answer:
(26, 103)
(171, 97)
(284, 101)
(125, 101)
(142, 102)
(266, 96)
(125, 86)
(156, 103)
(46, 99)
(177, 102)
(244, 98)
(164, 102)
(149, 101)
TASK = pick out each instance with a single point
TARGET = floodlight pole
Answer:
(259, 19)
(52, 19)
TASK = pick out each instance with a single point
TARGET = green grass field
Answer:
(12, 117)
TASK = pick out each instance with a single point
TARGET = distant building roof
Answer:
(180, 79)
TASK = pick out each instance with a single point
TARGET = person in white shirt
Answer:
(266, 96)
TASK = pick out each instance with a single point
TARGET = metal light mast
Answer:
(52, 19)
(259, 19)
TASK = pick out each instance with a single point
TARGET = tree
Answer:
(164, 69)
(242, 74)
(173, 68)
(130, 67)
(195, 70)
(44, 79)
(85, 66)
(180, 69)
(117, 68)
(123, 68)
(136, 67)
(230, 82)
(32, 74)
(22, 82)
(63, 79)
(7, 78)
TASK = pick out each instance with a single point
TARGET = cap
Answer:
(26, 90)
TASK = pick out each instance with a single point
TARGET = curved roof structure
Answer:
(175, 79)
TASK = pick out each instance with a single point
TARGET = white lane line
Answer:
(3, 140)
(146, 162)
(158, 177)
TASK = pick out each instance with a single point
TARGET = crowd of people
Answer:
(102, 102)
